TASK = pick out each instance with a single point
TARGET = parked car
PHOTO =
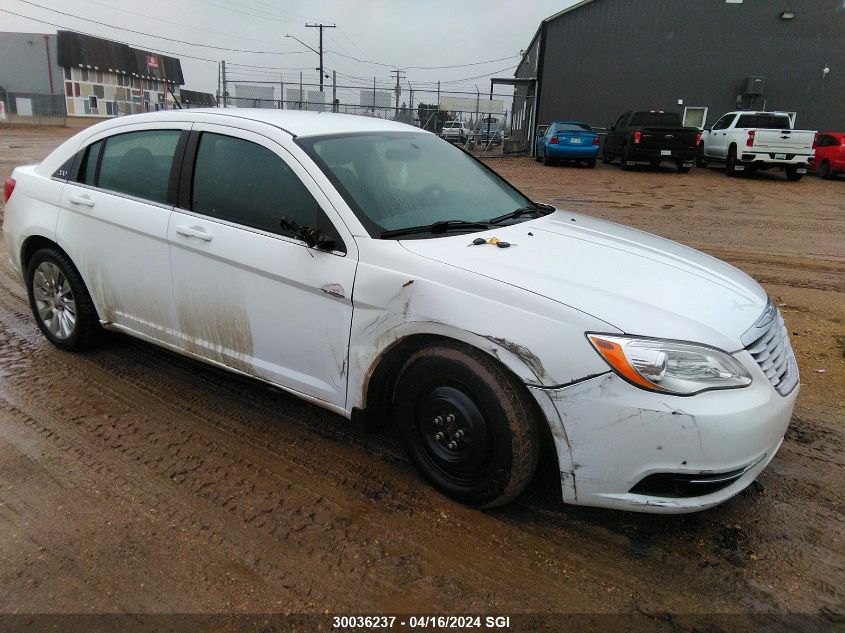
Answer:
(570, 141)
(757, 141)
(488, 132)
(377, 271)
(829, 158)
(455, 131)
(651, 137)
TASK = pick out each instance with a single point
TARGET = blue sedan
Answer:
(568, 140)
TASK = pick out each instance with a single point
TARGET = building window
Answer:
(99, 76)
(99, 91)
(67, 72)
(76, 89)
(84, 74)
(93, 101)
(68, 89)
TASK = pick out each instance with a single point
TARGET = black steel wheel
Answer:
(466, 425)
(825, 171)
(731, 163)
(623, 160)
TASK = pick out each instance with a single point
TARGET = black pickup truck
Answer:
(651, 137)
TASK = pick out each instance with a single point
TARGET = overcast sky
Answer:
(398, 33)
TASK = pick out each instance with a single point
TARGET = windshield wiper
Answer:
(437, 227)
(534, 207)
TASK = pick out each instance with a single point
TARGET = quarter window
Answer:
(243, 182)
(139, 163)
(88, 168)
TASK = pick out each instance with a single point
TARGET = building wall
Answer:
(610, 56)
(97, 93)
(25, 65)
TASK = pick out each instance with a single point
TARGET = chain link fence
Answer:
(31, 107)
(488, 124)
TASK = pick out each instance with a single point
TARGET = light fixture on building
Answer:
(787, 15)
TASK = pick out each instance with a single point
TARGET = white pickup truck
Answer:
(757, 140)
(455, 131)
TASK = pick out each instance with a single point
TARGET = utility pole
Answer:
(398, 89)
(321, 26)
(225, 92)
(334, 91)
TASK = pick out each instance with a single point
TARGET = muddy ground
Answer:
(133, 480)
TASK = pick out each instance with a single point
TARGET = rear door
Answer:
(113, 224)
(249, 293)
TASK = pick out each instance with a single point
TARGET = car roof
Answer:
(295, 122)
(571, 121)
(839, 134)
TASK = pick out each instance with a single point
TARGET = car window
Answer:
(764, 121)
(665, 119)
(572, 127)
(88, 169)
(243, 182)
(399, 180)
(138, 163)
(724, 122)
(621, 121)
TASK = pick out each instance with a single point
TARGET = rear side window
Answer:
(88, 168)
(764, 121)
(667, 119)
(139, 163)
(245, 183)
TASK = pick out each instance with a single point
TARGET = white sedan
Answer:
(378, 271)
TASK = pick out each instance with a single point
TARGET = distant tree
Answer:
(431, 117)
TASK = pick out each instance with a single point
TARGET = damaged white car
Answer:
(384, 274)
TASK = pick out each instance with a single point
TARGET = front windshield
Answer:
(395, 180)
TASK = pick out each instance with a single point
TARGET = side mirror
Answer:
(313, 238)
(708, 129)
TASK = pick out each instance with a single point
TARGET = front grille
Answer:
(768, 342)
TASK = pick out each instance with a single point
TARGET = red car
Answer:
(830, 154)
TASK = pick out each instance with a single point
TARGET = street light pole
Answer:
(321, 26)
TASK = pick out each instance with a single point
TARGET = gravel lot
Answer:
(133, 480)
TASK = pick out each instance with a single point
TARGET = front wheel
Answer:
(466, 425)
(59, 301)
(792, 173)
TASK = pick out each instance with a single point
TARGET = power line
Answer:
(161, 37)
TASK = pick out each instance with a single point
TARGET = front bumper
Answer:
(610, 436)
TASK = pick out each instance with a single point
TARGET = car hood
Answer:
(635, 281)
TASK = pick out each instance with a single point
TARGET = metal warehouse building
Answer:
(701, 58)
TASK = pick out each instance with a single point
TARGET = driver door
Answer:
(250, 294)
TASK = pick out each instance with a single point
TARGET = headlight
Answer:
(670, 366)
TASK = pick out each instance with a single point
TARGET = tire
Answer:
(681, 169)
(59, 301)
(447, 389)
(700, 161)
(605, 157)
(825, 171)
(546, 160)
(623, 159)
(654, 164)
(590, 163)
(537, 156)
(792, 173)
(730, 163)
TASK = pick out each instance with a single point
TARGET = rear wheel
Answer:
(825, 171)
(682, 169)
(623, 160)
(590, 163)
(731, 163)
(792, 173)
(546, 159)
(700, 160)
(654, 164)
(59, 301)
(605, 156)
(466, 425)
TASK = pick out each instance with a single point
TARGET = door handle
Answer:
(193, 231)
(83, 200)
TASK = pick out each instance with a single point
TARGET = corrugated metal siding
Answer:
(614, 55)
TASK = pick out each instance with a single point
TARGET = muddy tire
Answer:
(546, 160)
(825, 171)
(59, 301)
(682, 169)
(792, 174)
(590, 163)
(623, 160)
(730, 164)
(466, 425)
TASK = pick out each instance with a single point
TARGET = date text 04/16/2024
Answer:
(350, 622)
